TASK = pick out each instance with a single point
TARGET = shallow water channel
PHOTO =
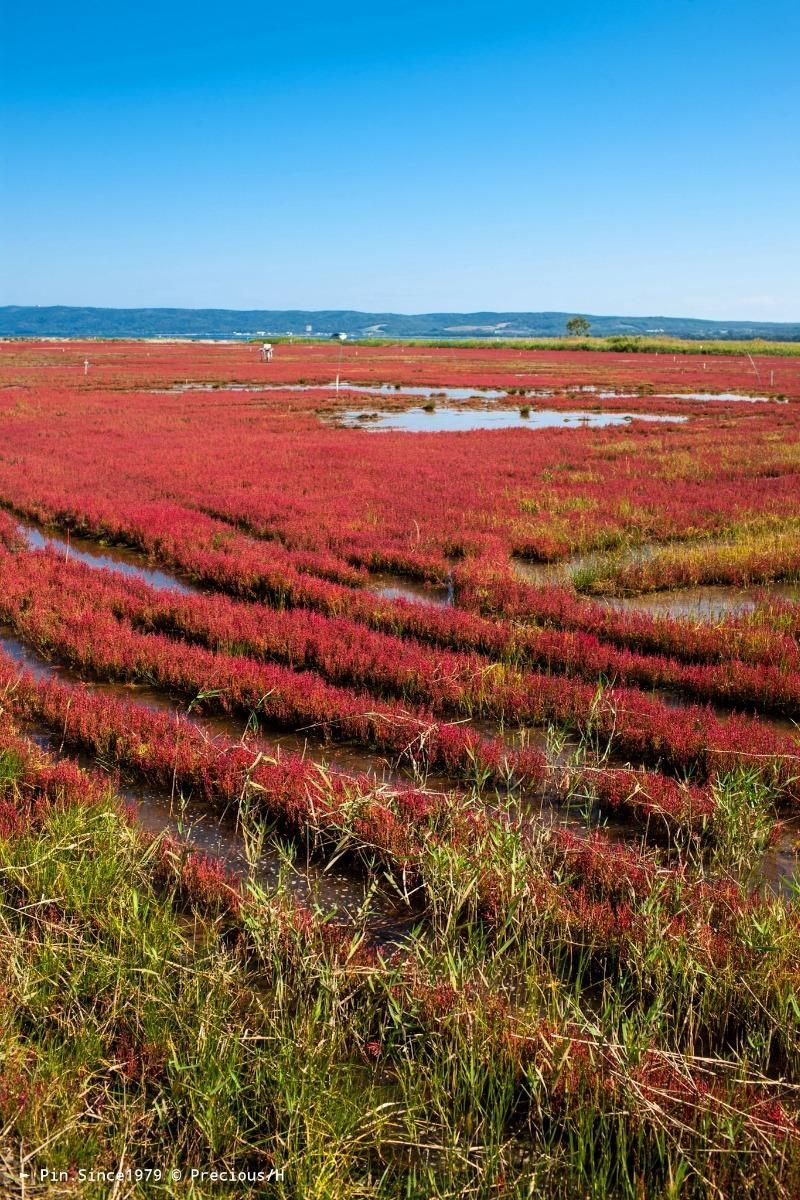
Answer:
(706, 602)
(114, 558)
(609, 394)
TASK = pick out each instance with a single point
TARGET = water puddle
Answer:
(608, 394)
(543, 574)
(364, 389)
(460, 420)
(400, 587)
(705, 603)
(445, 392)
(428, 393)
(719, 396)
(113, 558)
(778, 868)
(178, 389)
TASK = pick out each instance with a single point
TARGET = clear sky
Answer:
(625, 156)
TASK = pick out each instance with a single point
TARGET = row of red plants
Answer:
(761, 685)
(87, 633)
(307, 800)
(172, 534)
(642, 794)
(62, 609)
(345, 652)
(591, 891)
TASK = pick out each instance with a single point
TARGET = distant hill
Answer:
(63, 321)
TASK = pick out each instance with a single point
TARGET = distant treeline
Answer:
(626, 345)
(467, 328)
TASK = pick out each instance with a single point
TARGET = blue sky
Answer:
(628, 157)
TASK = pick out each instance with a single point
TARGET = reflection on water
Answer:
(542, 574)
(455, 420)
(778, 868)
(703, 603)
(708, 602)
(718, 396)
(400, 587)
(364, 389)
(443, 392)
(113, 558)
(429, 393)
(610, 394)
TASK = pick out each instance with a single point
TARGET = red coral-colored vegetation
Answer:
(576, 796)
